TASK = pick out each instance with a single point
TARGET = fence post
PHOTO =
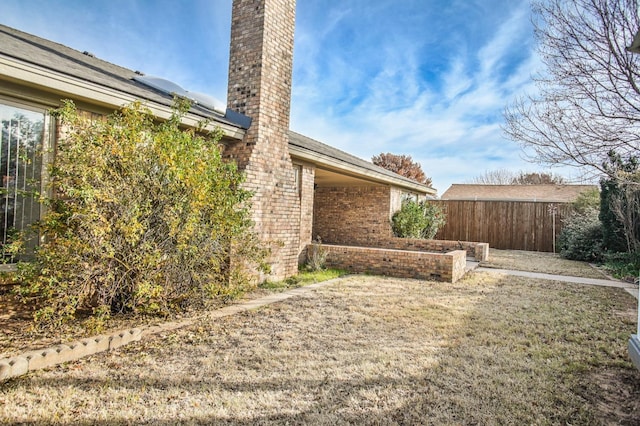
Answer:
(553, 209)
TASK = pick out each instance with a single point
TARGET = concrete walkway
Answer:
(630, 288)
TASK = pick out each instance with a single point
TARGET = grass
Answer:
(16, 317)
(531, 261)
(367, 350)
(303, 278)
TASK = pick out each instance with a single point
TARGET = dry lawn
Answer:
(533, 261)
(366, 350)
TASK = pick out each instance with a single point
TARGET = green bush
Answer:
(146, 217)
(623, 265)
(581, 236)
(417, 220)
(589, 199)
(619, 201)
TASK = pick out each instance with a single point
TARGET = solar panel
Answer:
(161, 84)
(173, 89)
(209, 102)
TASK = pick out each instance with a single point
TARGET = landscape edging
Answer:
(20, 365)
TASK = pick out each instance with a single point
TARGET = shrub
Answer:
(581, 236)
(623, 265)
(417, 220)
(145, 218)
(589, 199)
(317, 258)
(619, 204)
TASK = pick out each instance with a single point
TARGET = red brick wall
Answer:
(352, 215)
(448, 267)
(260, 68)
(306, 208)
(479, 251)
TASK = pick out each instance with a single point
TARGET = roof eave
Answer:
(334, 164)
(67, 86)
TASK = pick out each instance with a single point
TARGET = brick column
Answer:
(260, 69)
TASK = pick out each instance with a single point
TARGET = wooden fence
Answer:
(513, 225)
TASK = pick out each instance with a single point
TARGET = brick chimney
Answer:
(260, 69)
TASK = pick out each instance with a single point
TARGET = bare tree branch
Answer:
(507, 177)
(588, 101)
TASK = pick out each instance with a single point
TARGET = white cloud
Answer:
(450, 122)
(456, 80)
(187, 43)
(429, 79)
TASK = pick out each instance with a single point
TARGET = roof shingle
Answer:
(541, 193)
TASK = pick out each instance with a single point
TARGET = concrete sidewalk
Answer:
(630, 288)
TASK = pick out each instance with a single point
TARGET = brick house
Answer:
(303, 188)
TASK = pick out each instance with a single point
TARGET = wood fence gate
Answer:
(512, 225)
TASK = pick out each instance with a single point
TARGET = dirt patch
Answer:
(616, 396)
(15, 320)
(12, 310)
(19, 334)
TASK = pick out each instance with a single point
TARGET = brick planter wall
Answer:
(478, 251)
(448, 267)
(361, 216)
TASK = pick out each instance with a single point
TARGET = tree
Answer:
(402, 165)
(538, 179)
(620, 204)
(626, 206)
(589, 199)
(588, 101)
(495, 177)
(507, 177)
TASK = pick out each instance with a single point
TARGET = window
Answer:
(21, 142)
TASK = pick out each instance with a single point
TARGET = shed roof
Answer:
(541, 193)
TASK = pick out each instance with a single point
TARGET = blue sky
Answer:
(424, 78)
